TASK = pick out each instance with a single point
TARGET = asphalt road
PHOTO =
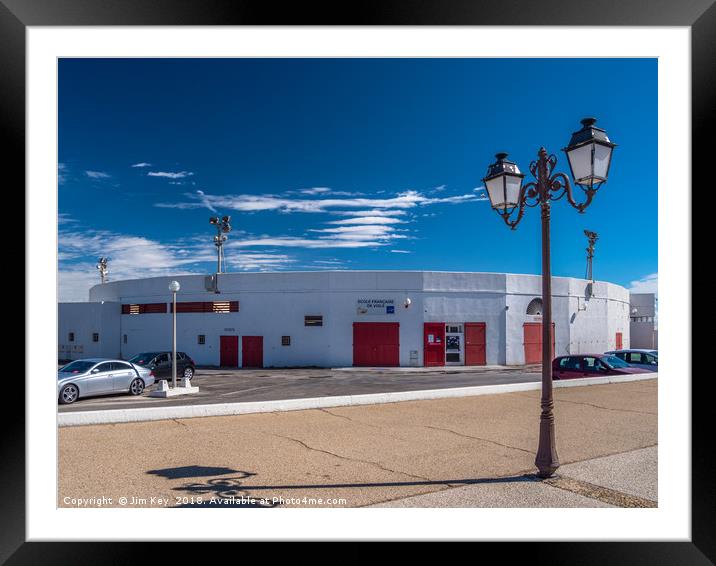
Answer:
(232, 386)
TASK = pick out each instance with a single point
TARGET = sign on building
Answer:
(376, 306)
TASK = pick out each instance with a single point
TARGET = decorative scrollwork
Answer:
(547, 187)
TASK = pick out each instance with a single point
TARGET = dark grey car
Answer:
(98, 376)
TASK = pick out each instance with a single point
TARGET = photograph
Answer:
(350, 282)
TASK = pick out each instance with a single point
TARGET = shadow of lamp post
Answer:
(589, 155)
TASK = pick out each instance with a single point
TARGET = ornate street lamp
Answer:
(589, 154)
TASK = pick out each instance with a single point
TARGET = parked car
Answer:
(99, 376)
(591, 365)
(161, 364)
(638, 357)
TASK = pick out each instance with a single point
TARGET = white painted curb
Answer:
(223, 409)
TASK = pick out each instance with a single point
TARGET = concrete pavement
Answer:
(628, 479)
(376, 454)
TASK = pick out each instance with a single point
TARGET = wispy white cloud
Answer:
(368, 220)
(372, 213)
(294, 242)
(400, 252)
(170, 174)
(64, 218)
(97, 175)
(253, 203)
(647, 284)
(315, 191)
(142, 164)
(259, 261)
(206, 203)
(359, 232)
(130, 257)
(61, 173)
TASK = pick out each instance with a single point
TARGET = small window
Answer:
(71, 336)
(95, 337)
(124, 338)
(313, 321)
(201, 339)
(285, 340)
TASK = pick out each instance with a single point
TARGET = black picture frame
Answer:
(699, 15)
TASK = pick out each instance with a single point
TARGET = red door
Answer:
(229, 351)
(619, 341)
(475, 343)
(376, 344)
(252, 348)
(434, 344)
(533, 342)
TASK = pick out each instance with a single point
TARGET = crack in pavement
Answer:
(603, 494)
(592, 405)
(380, 428)
(370, 462)
(478, 438)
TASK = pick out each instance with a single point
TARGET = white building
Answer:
(642, 330)
(346, 318)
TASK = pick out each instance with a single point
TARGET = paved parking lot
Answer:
(230, 386)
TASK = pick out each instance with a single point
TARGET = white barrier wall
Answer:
(273, 305)
(83, 321)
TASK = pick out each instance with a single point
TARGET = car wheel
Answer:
(136, 387)
(69, 394)
(188, 372)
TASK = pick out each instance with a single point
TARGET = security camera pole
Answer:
(592, 238)
(223, 227)
(103, 269)
(589, 154)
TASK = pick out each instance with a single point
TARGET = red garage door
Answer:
(229, 351)
(475, 342)
(533, 342)
(252, 348)
(376, 344)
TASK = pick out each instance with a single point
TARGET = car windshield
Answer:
(78, 366)
(143, 358)
(614, 362)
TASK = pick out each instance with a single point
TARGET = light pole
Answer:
(589, 154)
(592, 238)
(174, 287)
(223, 227)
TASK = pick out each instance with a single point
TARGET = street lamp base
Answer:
(164, 390)
(546, 472)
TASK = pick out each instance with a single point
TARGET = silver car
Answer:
(99, 376)
(638, 357)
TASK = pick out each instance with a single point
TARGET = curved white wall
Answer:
(274, 304)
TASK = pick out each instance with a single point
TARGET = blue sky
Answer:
(343, 164)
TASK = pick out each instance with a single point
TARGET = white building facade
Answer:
(346, 318)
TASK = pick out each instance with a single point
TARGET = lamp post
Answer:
(589, 155)
(174, 287)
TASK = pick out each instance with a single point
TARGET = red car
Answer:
(591, 365)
